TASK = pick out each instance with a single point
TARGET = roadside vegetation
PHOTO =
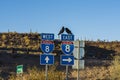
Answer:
(100, 49)
(111, 72)
(38, 74)
(31, 41)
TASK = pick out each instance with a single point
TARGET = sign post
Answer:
(47, 46)
(46, 72)
(67, 48)
(79, 55)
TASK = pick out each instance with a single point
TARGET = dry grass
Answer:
(115, 69)
(37, 74)
(95, 73)
(101, 73)
(89, 73)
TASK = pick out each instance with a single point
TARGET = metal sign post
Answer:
(47, 46)
(78, 61)
(67, 48)
(78, 70)
(79, 55)
(46, 72)
(66, 72)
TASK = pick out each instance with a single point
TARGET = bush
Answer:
(115, 69)
(37, 74)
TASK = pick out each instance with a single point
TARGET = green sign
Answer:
(19, 69)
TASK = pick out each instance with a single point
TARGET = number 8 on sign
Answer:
(47, 49)
(67, 48)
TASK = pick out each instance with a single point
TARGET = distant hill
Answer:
(31, 41)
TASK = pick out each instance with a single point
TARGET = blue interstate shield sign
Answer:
(47, 46)
(67, 47)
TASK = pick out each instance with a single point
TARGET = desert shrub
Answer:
(38, 74)
(111, 72)
(115, 69)
(94, 73)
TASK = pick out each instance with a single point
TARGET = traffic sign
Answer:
(67, 47)
(67, 37)
(79, 64)
(19, 69)
(46, 59)
(67, 44)
(47, 36)
(47, 43)
(47, 46)
(67, 60)
(79, 51)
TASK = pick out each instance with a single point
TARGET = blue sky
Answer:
(90, 19)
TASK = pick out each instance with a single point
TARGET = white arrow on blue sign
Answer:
(67, 60)
(46, 59)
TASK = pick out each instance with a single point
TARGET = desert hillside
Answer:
(30, 42)
(24, 48)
